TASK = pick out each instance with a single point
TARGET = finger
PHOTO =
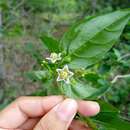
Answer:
(78, 125)
(60, 117)
(88, 108)
(20, 110)
(29, 124)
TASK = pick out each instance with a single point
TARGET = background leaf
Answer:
(37, 75)
(50, 43)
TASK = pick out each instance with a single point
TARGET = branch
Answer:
(119, 77)
(124, 56)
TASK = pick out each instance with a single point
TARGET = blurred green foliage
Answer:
(21, 17)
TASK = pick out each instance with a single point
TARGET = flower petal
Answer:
(67, 81)
(59, 79)
(71, 74)
(48, 58)
(58, 70)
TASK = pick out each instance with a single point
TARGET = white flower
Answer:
(54, 57)
(64, 74)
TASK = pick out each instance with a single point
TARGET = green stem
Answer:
(61, 89)
(46, 65)
(88, 121)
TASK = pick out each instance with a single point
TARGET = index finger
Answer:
(26, 107)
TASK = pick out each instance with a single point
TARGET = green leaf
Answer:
(79, 90)
(109, 118)
(50, 43)
(92, 77)
(107, 111)
(127, 36)
(88, 41)
(115, 123)
(117, 53)
(37, 75)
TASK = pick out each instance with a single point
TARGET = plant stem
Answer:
(88, 121)
(124, 56)
(61, 89)
(120, 77)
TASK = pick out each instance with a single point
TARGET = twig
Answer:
(119, 77)
(124, 56)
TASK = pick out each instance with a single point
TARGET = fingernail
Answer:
(95, 108)
(89, 108)
(67, 110)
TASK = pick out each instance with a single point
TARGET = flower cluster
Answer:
(54, 57)
(64, 74)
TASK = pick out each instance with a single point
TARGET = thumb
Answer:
(60, 117)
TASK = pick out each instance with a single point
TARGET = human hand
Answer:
(46, 113)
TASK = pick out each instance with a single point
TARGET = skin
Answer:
(46, 113)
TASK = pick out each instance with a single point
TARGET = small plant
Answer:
(67, 70)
